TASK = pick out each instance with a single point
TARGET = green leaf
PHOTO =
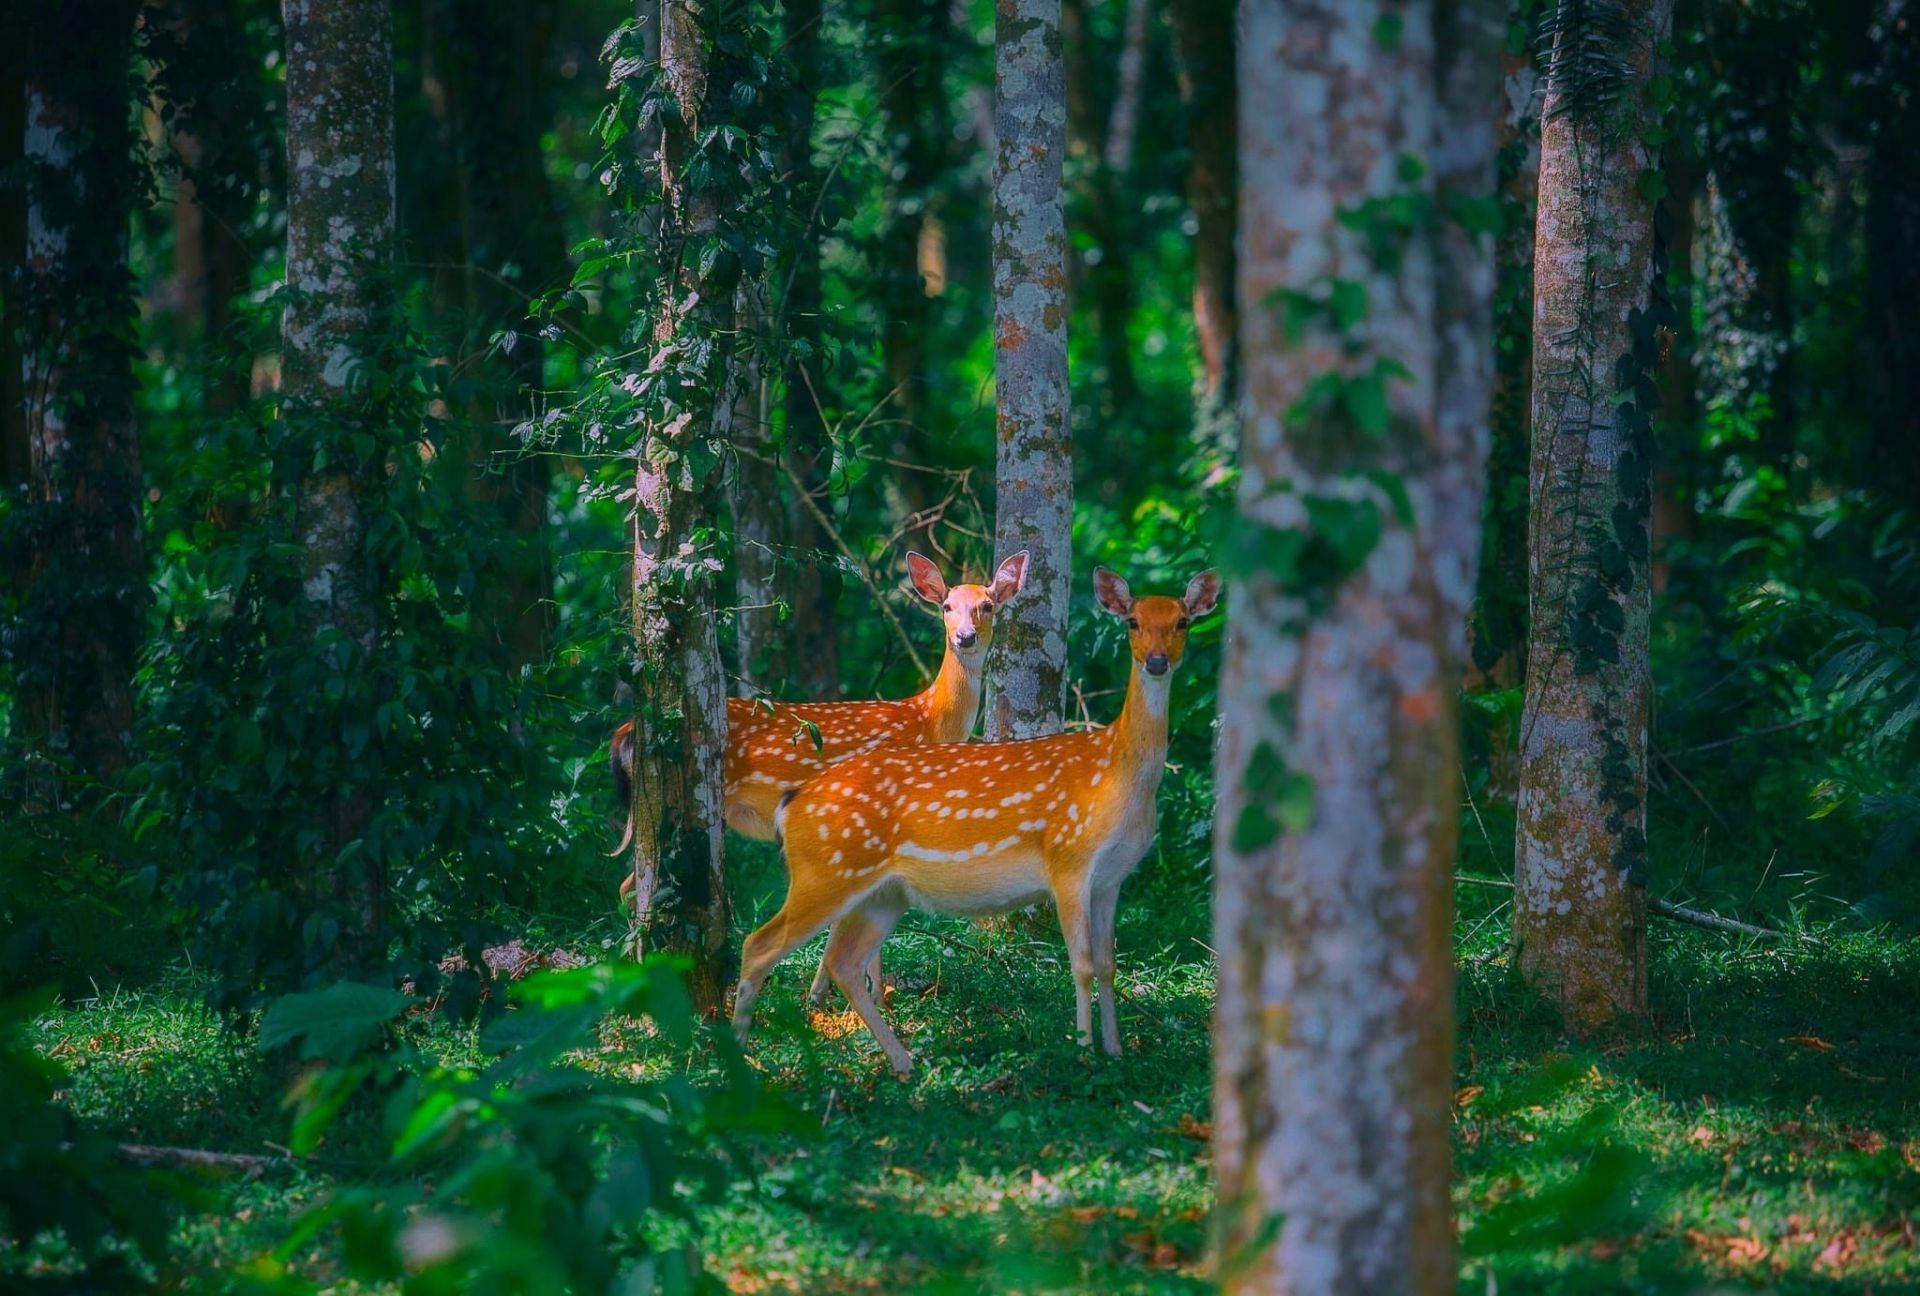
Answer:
(1348, 301)
(332, 1024)
(1387, 31)
(1653, 185)
(1253, 829)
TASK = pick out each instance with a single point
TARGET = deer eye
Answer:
(1181, 624)
(986, 607)
(946, 607)
(1133, 623)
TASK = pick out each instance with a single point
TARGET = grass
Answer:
(1759, 1131)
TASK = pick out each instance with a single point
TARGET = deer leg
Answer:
(1102, 907)
(805, 912)
(817, 992)
(850, 952)
(1078, 930)
(822, 978)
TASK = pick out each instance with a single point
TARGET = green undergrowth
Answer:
(1758, 1132)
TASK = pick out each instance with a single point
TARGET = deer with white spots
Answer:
(983, 828)
(773, 747)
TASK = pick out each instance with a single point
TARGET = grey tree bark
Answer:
(681, 717)
(1338, 768)
(760, 517)
(1579, 909)
(1033, 473)
(81, 619)
(340, 238)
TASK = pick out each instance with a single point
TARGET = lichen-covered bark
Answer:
(678, 864)
(80, 623)
(1203, 38)
(1580, 856)
(1338, 769)
(1034, 470)
(340, 235)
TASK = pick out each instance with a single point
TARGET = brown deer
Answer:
(773, 747)
(983, 828)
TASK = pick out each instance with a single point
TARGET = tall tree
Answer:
(340, 239)
(1033, 475)
(1203, 39)
(80, 622)
(678, 866)
(814, 664)
(1581, 853)
(1358, 538)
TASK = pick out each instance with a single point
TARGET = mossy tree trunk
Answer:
(81, 615)
(1338, 770)
(1581, 851)
(679, 869)
(340, 239)
(1033, 475)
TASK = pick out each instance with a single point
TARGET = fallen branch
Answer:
(144, 1154)
(1712, 921)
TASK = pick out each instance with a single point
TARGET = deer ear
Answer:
(1203, 592)
(926, 577)
(1009, 577)
(1112, 592)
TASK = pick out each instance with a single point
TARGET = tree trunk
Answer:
(1581, 853)
(1499, 628)
(815, 667)
(1203, 42)
(82, 618)
(760, 551)
(1339, 762)
(679, 871)
(1034, 472)
(912, 38)
(16, 456)
(340, 237)
(1101, 145)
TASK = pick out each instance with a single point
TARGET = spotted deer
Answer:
(773, 747)
(984, 828)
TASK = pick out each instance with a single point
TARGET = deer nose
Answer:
(966, 639)
(1156, 663)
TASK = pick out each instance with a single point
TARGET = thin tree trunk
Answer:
(16, 457)
(1339, 763)
(677, 859)
(1580, 911)
(1203, 42)
(912, 36)
(1101, 146)
(82, 618)
(1498, 646)
(1034, 472)
(759, 511)
(340, 237)
(815, 666)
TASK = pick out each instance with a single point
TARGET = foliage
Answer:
(73, 1215)
(528, 1171)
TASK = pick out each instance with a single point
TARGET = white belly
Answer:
(975, 885)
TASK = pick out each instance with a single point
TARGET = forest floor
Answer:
(1761, 1131)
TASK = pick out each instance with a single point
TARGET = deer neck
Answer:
(1139, 735)
(953, 700)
